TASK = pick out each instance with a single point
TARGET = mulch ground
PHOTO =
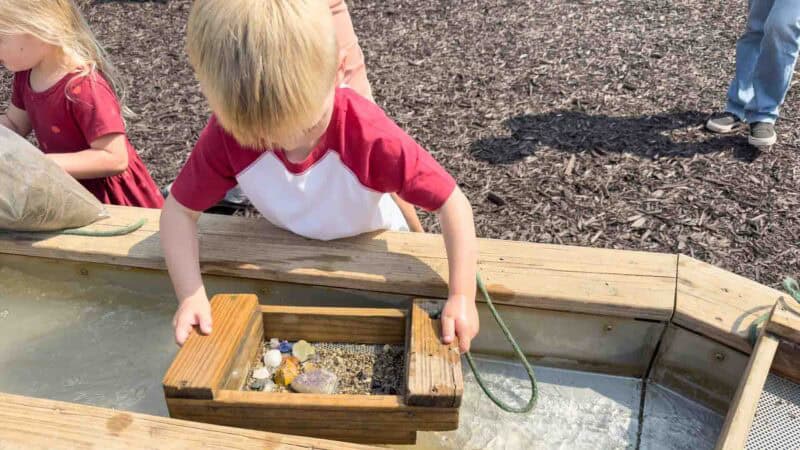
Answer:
(570, 122)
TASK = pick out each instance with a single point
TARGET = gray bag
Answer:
(36, 194)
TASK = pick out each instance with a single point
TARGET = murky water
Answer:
(576, 410)
(103, 346)
(110, 346)
(672, 421)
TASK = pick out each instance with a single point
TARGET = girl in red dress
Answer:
(66, 92)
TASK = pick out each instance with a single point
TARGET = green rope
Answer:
(793, 289)
(127, 229)
(83, 231)
(520, 355)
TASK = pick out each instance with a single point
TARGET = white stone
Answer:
(262, 373)
(274, 343)
(273, 358)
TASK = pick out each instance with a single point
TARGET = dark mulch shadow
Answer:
(675, 134)
(100, 2)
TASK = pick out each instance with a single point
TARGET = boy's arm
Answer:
(17, 120)
(460, 316)
(180, 245)
(108, 156)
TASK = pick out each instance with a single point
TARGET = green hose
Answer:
(520, 355)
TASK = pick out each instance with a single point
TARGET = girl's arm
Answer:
(460, 316)
(179, 242)
(107, 156)
(16, 120)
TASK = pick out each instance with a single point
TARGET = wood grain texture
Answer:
(343, 325)
(32, 423)
(246, 353)
(204, 362)
(784, 323)
(720, 304)
(600, 281)
(433, 369)
(785, 320)
(743, 407)
(379, 419)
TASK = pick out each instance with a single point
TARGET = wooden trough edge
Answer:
(628, 284)
(783, 323)
(606, 282)
(27, 422)
(722, 306)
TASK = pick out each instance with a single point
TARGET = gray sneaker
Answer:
(724, 123)
(762, 134)
(236, 196)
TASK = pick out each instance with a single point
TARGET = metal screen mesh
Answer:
(349, 349)
(777, 421)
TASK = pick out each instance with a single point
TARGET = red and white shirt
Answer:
(341, 189)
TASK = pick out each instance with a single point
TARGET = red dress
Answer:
(70, 115)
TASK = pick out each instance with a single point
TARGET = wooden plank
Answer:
(344, 325)
(599, 281)
(787, 361)
(743, 407)
(245, 355)
(511, 253)
(379, 410)
(33, 423)
(359, 418)
(203, 363)
(723, 305)
(433, 369)
(718, 303)
(785, 324)
(785, 320)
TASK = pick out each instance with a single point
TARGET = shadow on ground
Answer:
(673, 134)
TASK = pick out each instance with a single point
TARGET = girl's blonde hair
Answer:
(265, 66)
(61, 24)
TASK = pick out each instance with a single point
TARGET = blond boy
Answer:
(315, 159)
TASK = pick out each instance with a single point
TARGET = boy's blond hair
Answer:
(61, 24)
(265, 66)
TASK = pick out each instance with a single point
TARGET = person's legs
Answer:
(776, 61)
(355, 71)
(748, 47)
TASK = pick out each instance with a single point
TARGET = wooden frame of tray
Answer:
(204, 382)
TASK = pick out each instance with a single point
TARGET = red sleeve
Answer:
(394, 162)
(94, 107)
(208, 174)
(425, 183)
(20, 80)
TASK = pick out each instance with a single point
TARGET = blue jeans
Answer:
(765, 58)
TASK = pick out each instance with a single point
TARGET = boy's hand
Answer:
(192, 311)
(460, 319)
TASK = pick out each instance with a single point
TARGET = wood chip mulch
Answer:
(570, 122)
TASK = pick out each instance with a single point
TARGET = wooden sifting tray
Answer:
(204, 382)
